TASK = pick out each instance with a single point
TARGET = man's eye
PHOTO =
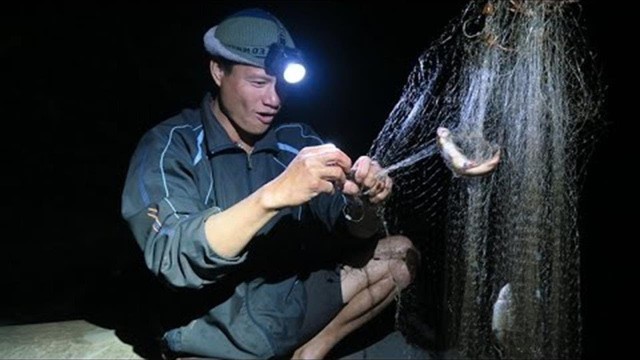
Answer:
(259, 83)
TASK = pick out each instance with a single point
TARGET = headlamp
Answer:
(285, 63)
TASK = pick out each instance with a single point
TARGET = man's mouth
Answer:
(265, 117)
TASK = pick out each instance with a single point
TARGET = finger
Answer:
(332, 173)
(375, 189)
(361, 167)
(384, 193)
(323, 150)
(350, 188)
(375, 177)
(375, 166)
(327, 187)
(335, 157)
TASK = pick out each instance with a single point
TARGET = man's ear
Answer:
(216, 72)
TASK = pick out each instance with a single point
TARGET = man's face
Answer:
(248, 97)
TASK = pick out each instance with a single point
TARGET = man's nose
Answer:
(271, 98)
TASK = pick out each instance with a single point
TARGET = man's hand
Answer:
(315, 170)
(369, 179)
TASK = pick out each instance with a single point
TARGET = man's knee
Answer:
(403, 257)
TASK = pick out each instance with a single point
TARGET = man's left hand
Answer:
(369, 179)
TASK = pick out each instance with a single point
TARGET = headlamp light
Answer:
(285, 63)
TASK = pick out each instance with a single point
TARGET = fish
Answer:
(457, 161)
(502, 318)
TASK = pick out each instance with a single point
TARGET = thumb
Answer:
(350, 188)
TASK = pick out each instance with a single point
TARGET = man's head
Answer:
(240, 46)
(246, 37)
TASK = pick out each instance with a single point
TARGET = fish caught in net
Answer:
(514, 81)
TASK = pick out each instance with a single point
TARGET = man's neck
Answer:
(231, 129)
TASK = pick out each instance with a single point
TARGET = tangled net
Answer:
(501, 274)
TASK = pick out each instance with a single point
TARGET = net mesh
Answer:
(500, 252)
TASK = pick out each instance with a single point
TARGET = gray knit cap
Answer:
(245, 37)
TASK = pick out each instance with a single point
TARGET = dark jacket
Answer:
(186, 169)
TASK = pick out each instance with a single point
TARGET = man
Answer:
(255, 216)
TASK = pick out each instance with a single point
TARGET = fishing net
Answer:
(500, 252)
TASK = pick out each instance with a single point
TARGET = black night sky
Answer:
(83, 82)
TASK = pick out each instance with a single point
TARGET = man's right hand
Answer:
(315, 170)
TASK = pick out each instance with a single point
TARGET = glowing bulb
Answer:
(294, 72)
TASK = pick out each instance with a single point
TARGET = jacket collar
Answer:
(217, 138)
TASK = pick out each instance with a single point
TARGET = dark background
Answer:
(83, 82)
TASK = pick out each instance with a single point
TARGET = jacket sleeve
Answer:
(163, 206)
